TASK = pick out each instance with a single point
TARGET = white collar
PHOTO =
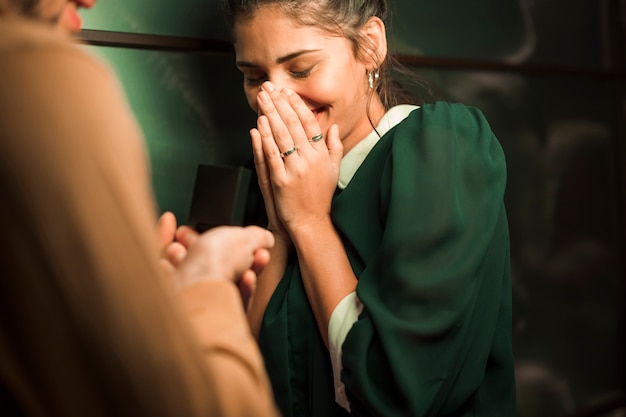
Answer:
(352, 160)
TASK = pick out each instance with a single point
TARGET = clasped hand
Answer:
(297, 175)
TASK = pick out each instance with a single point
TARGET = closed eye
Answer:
(301, 74)
(254, 81)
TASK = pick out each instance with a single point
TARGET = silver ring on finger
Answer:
(317, 138)
(288, 152)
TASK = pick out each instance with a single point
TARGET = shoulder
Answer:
(45, 73)
(445, 125)
(56, 96)
(453, 116)
(444, 136)
(34, 52)
(18, 38)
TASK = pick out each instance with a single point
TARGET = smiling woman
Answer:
(380, 299)
(331, 82)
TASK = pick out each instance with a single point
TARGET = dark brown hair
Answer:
(341, 18)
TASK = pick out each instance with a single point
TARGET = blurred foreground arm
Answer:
(205, 268)
(89, 324)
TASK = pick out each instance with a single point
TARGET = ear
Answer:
(375, 49)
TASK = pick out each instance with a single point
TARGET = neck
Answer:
(371, 119)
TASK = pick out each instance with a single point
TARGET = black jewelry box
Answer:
(219, 196)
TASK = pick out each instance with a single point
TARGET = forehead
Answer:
(270, 33)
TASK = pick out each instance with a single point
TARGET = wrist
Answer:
(311, 228)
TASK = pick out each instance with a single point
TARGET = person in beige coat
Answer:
(91, 323)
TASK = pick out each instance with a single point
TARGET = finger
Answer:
(257, 149)
(260, 238)
(166, 229)
(167, 267)
(289, 117)
(306, 118)
(186, 236)
(260, 163)
(279, 131)
(261, 259)
(247, 286)
(285, 123)
(271, 152)
(175, 253)
(335, 146)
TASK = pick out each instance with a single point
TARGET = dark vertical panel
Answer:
(615, 23)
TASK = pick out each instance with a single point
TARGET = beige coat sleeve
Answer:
(89, 326)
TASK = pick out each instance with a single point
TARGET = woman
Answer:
(388, 291)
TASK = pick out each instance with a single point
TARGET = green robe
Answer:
(424, 226)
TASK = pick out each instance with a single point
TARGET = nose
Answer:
(281, 80)
(278, 80)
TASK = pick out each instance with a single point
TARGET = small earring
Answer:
(372, 77)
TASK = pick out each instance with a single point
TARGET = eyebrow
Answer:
(280, 60)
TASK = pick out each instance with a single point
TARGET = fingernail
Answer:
(287, 92)
(268, 86)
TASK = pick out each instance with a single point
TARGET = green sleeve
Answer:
(434, 336)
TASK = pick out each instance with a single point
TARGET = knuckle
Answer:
(292, 119)
(308, 118)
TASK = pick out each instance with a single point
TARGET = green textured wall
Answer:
(190, 18)
(192, 112)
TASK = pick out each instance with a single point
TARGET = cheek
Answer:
(335, 88)
(251, 95)
(322, 90)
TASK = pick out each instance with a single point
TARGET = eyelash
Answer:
(255, 81)
(296, 74)
(301, 74)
